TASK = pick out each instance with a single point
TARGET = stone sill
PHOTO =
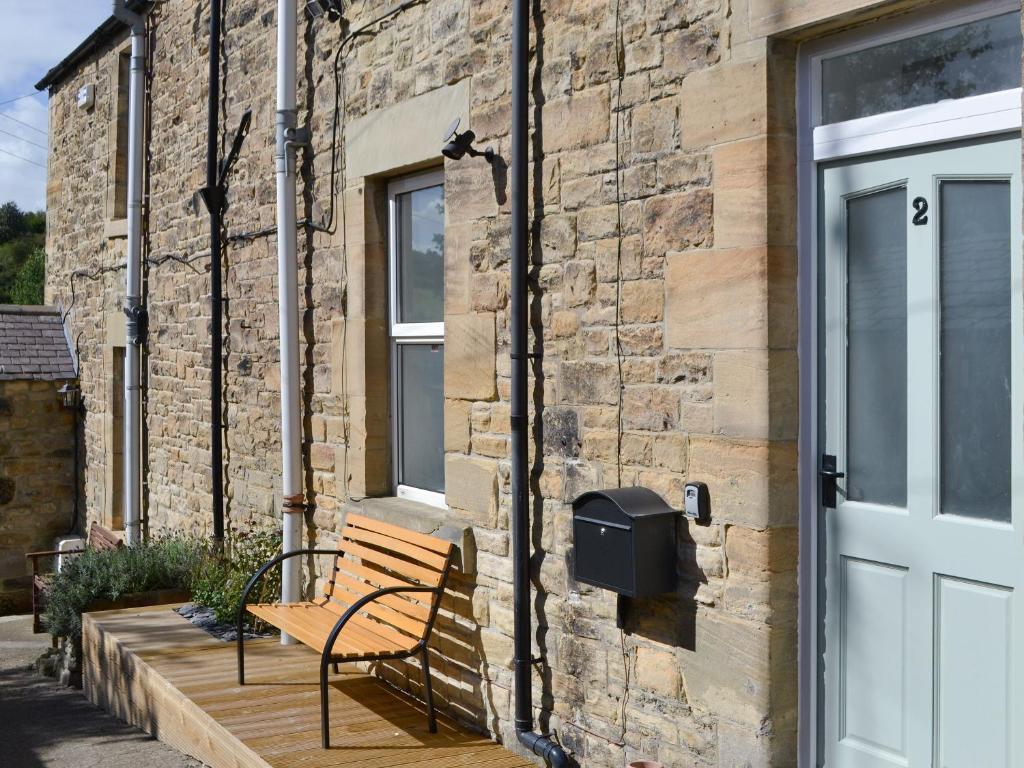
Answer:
(115, 228)
(424, 518)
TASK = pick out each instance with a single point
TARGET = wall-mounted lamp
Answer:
(70, 394)
(456, 144)
(332, 9)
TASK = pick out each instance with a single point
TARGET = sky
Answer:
(34, 36)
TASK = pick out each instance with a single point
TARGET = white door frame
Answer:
(931, 124)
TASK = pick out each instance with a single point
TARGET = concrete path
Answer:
(42, 724)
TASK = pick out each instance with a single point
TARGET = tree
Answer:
(22, 262)
(30, 280)
(12, 222)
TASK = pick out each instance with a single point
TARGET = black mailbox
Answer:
(625, 541)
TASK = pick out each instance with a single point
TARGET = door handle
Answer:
(829, 474)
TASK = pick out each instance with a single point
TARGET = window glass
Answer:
(421, 255)
(974, 259)
(416, 275)
(876, 355)
(421, 418)
(967, 60)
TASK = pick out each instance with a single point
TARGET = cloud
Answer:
(33, 38)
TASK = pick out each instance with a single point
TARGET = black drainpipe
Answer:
(537, 743)
(215, 204)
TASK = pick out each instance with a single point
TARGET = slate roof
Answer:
(33, 344)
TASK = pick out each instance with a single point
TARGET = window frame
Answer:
(406, 333)
(973, 116)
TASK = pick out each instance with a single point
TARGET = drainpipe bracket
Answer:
(136, 322)
(213, 197)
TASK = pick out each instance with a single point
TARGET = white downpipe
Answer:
(287, 270)
(133, 283)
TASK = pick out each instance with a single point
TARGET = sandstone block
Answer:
(655, 127)
(652, 408)
(642, 301)
(716, 299)
(580, 282)
(471, 484)
(755, 202)
(656, 671)
(582, 119)
(456, 426)
(728, 673)
(760, 554)
(677, 221)
(756, 394)
(469, 356)
(724, 103)
(752, 483)
(585, 382)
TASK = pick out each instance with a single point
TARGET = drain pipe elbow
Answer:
(119, 10)
(545, 748)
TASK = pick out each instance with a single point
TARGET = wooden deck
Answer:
(154, 669)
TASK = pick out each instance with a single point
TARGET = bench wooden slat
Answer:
(427, 576)
(340, 598)
(402, 603)
(311, 624)
(419, 554)
(372, 576)
(402, 534)
(373, 625)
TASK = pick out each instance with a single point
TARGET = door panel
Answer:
(973, 647)
(874, 613)
(923, 663)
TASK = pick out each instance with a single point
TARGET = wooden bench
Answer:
(99, 539)
(380, 601)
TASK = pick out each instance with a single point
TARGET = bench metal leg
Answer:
(325, 730)
(241, 655)
(336, 671)
(428, 691)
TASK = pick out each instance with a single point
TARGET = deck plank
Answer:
(153, 668)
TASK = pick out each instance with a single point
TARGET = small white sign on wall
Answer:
(86, 96)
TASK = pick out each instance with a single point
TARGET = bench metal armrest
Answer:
(358, 605)
(270, 564)
(34, 556)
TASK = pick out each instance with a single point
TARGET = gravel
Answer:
(205, 619)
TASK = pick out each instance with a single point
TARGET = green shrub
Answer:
(108, 575)
(30, 280)
(218, 582)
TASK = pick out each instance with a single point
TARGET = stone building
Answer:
(38, 494)
(705, 178)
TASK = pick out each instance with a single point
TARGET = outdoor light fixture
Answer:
(330, 8)
(458, 144)
(69, 394)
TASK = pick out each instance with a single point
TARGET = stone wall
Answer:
(37, 481)
(663, 306)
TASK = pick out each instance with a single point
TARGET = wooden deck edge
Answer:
(118, 681)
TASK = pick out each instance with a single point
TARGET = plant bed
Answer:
(140, 599)
(206, 619)
(171, 570)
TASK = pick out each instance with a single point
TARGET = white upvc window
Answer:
(416, 330)
(939, 74)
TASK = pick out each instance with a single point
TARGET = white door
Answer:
(924, 546)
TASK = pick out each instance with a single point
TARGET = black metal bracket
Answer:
(236, 146)
(213, 197)
(623, 603)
